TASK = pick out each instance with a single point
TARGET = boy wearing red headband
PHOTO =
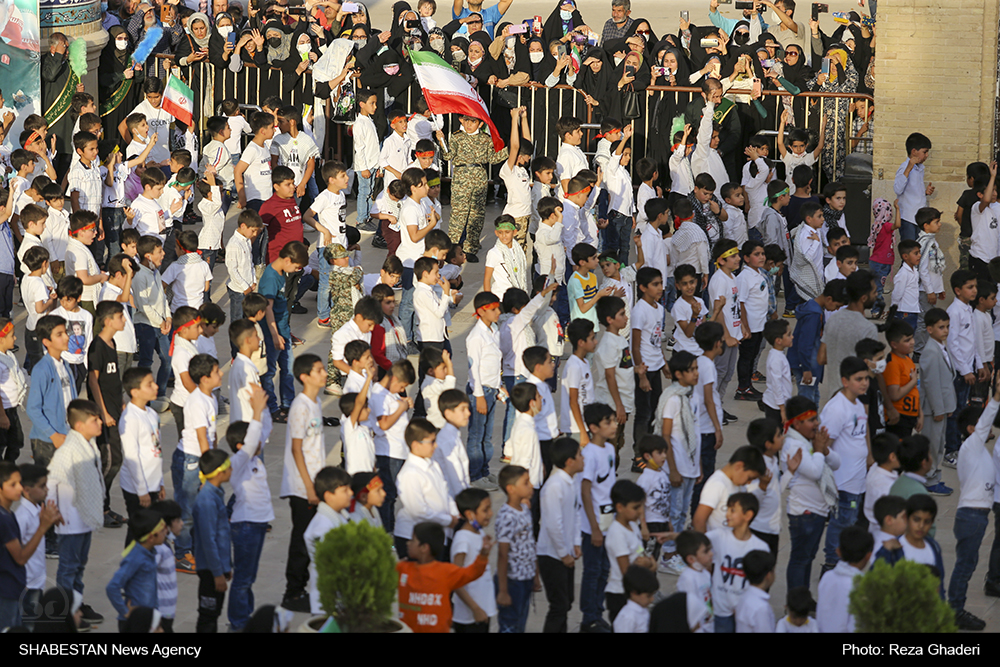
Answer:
(79, 260)
(483, 345)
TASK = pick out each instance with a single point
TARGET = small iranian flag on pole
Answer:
(447, 91)
(178, 100)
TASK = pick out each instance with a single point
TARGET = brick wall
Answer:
(935, 73)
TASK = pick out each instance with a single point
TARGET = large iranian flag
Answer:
(447, 91)
(178, 100)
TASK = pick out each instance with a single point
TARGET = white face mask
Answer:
(458, 56)
(302, 48)
(225, 30)
(475, 63)
(536, 56)
(437, 44)
(121, 44)
(618, 61)
(880, 366)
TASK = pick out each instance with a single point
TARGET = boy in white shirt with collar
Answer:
(243, 376)
(881, 476)
(964, 356)
(34, 217)
(753, 611)
(640, 586)
(429, 308)
(833, 596)
(733, 199)
(621, 207)
(485, 388)
(367, 312)
(450, 453)
(577, 388)
(34, 517)
(395, 153)
(906, 283)
(506, 265)
(543, 169)
(390, 407)
(190, 276)
(355, 434)
(56, 234)
(696, 580)
(559, 535)
(305, 456)
(213, 217)
(540, 365)
(753, 298)
(523, 447)
(799, 604)
(571, 160)
(439, 378)
(890, 520)
(199, 433)
(845, 261)
(239, 261)
(79, 260)
(423, 491)
(150, 219)
(121, 269)
(333, 487)
(141, 474)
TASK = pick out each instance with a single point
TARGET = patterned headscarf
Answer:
(882, 210)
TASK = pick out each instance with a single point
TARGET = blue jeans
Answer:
(792, 298)
(596, 568)
(508, 419)
(617, 236)
(970, 527)
(806, 531)
(907, 231)
(909, 318)
(952, 439)
(209, 256)
(323, 289)
(388, 470)
(812, 393)
(306, 283)
(235, 313)
(276, 358)
(881, 272)
(364, 197)
(480, 445)
(680, 503)
(112, 220)
(847, 515)
(669, 293)
(184, 473)
(725, 624)
(73, 553)
(150, 339)
(708, 454)
(10, 612)
(248, 543)
(514, 617)
(406, 304)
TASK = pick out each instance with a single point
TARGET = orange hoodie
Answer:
(425, 592)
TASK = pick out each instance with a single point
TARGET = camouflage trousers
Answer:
(468, 207)
(521, 235)
(964, 244)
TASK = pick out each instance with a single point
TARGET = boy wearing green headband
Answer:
(772, 223)
(134, 584)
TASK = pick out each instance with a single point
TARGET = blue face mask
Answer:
(773, 270)
(564, 15)
(104, 7)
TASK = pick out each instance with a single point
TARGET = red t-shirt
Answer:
(425, 592)
(284, 223)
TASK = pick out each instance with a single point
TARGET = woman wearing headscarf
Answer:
(540, 61)
(596, 80)
(293, 69)
(219, 48)
(843, 78)
(510, 57)
(480, 64)
(439, 43)
(119, 84)
(392, 76)
(355, 19)
(643, 29)
(194, 46)
(145, 18)
(631, 75)
(563, 20)
(790, 75)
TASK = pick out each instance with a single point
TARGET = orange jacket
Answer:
(425, 592)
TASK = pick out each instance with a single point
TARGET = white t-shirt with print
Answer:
(257, 177)
(649, 321)
(685, 465)
(715, 494)
(722, 285)
(599, 470)
(707, 374)
(615, 352)
(621, 541)
(575, 376)
(305, 422)
(683, 312)
(200, 411)
(728, 579)
(754, 296)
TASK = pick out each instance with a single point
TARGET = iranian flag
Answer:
(447, 91)
(178, 101)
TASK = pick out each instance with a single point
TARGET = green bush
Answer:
(357, 577)
(900, 598)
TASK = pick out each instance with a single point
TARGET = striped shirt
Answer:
(166, 581)
(87, 181)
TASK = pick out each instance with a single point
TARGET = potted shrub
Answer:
(900, 598)
(357, 580)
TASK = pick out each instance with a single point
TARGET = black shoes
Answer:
(299, 603)
(471, 258)
(88, 615)
(600, 626)
(966, 621)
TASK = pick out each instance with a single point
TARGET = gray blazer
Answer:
(937, 388)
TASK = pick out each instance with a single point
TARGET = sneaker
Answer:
(334, 390)
(826, 568)
(299, 309)
(671, 343)
(325, 323)
(53, 554)
(992, 590)
(299, 603)
(505, 460)
(940, 489)
(296, 341)
(88, 615)
(950, 460)
(381, 244)
(186, 565)
(367, 226)
(110, 521)
(636, 468)
(485, 484)
(83, 626)
(492, 478)
(728, 418)
(411, 348)
(472, 258)
(599, 626)
(674, 566)
(747, 395)
(790, 314)
(758, 377)
(331, 421)
(161, 405)
(966, 621)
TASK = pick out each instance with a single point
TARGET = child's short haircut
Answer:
(926, 215)
(888, 506)
(797, 135)
(20, 158)
(884, 445)
(515, 299)
(403, 371)
(759, 433)
(798, 405)
(509, 474)
(752, 456)
(984, 290)
(721, 247)
(638, 579)
(216, 125)
(774, 329)
(397, 189)
(547, 207)
(708, 334)
(567, 124)
(913, 451)
(303, 365)
(437, 239)
(897, 330)
(80, 219)
(856, 542)
(90, 122)
(45, 325)
(774, 253)
(188, 240)
(906, 246)
(31, 474)
(422, 266)
(133, 121)
(39, 183)
(650, 443)
(295, 251)
(846, 252)
(582, 252)
(483, 299)
(655, 207)
(33, 213)
(132, 378)
(250, 219)
(684, 271)
(212, 313)
(431, 534)
(802, 176)
(261, 120)
(152, 177)
(130, 236)
(236, 435)
(811, 208)
(168, 509)
(969, 416)
(831, 189)
(354, 350)
(868, 348)
(393, 265)
(80, 409)
(800, 602)
(51, 192)
(921, 503)
(201, 366)
(425, 145)
(280, 174)
(381, 292)
(680, 362)
(347, 403)
(608, 308)
(645, 169)
(204, 188)
(757, 564)
(7, 468)
(960, 277)
(835, 234)
(749, 247)
(35, 257)
(595, 413)
(329, 479)
(253, 305)
(451, 399)
(106, 310)
(361, 480)
(522, 395)
(646, 275)
(705, 181)
(418, 430)
(117, 264)
(690, 542)
(851, 365)
(578, 331)
(917, 142)
(290, 113)
(146, 245)
(533, 356)
(746, 501)
(469, 500)
(542, 163)
(727, 190)
(563, 449)
(369, 309)
(143, 522)
(182, 156)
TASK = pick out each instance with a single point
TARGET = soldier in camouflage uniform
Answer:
(470, 153)
(345, 289)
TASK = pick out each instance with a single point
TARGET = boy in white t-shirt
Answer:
(614, 373)
(571, 160)
(689, 310)
(778, 335)
(355, 435)
(328, 214)
(799, 604)
(189, 277)
(238, 126)
(252, 173)
(624, 543)
(652, 451)
(647, 351)
(696, 580)
(390, 407)
(723, 292)
(38, 299)
(795, 154)
(243, 375)
(121, 269)
(475, 603)
(767, 436)
(753, 297)
(79, 326)
(294, 149)
(141, 475)
(730, 544)
(515, 176)
(213, 218)
(834, 593)
(745, 465)
(577, 388)
(79, 260)
(333, 489)
(506, 265)
(706, 399)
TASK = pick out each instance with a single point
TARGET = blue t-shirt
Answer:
(6, 250)
(272, 286)
(491, 16)
(13, 577)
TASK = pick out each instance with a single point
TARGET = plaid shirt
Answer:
(612, 31)
(88, 182)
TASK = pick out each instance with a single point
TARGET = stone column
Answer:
(77, 19)
(937, 77)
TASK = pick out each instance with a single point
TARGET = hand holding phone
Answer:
(826, 66)
(517, 29)
(349, 8)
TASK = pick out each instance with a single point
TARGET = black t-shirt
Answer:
(103, 358)
(876, 408)
(967, 201)
(791, 212)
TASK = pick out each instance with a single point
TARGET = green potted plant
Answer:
(900, 598)
(357, 580)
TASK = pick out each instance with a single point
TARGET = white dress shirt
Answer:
(430, 310)
(249, 480)
(485, 358)
(753, 612)
(366, 150)
(525, 450)
(906, 292)
(423, 496)
(833, 597)
(560, 523)
(910, 190)
(633, 617)
(396, 154)
(962, 338)
(239, 263)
